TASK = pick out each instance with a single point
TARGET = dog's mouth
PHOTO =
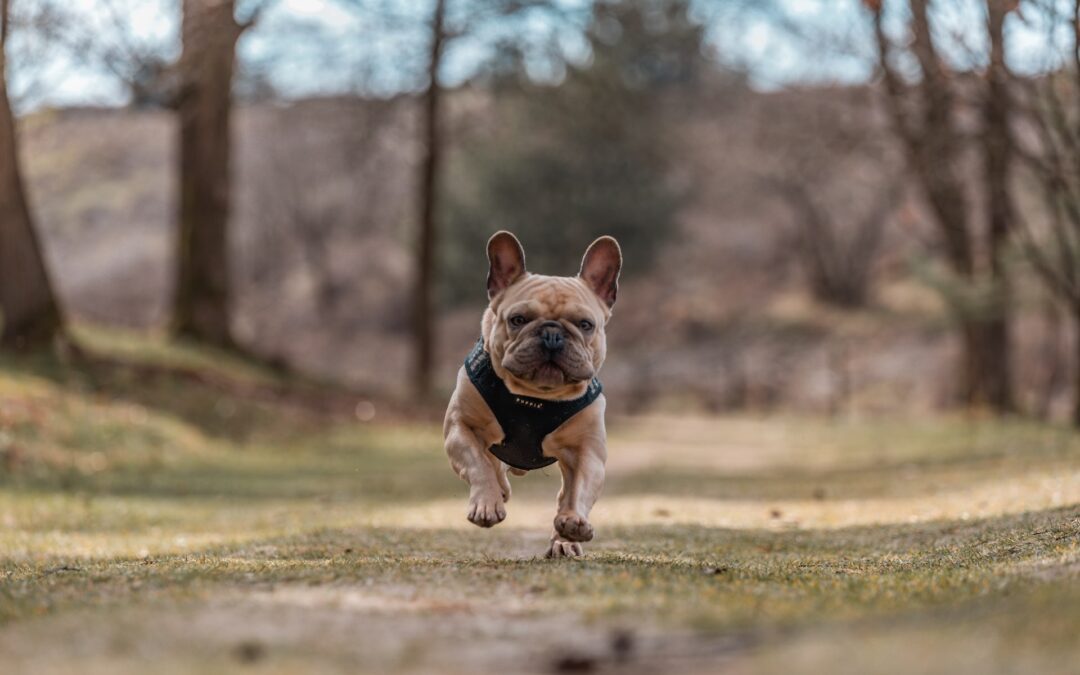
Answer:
(549, 375)
(545, 376)
(546, 372)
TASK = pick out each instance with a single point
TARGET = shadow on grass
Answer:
(367, 469)
(951, 543)
(245, 483)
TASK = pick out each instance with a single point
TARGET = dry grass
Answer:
(171, 525)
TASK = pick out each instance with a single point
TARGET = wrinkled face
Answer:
(547, 333)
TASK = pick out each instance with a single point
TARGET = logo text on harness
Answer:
(531, 404)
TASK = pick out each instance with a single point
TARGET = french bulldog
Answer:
(543, 338)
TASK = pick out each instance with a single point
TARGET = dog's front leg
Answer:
(582, 481)
(488, 486)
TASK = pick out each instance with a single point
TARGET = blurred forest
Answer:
(904, 243)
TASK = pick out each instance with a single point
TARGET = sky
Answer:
(308, 47)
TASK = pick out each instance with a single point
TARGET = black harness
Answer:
(525, 421)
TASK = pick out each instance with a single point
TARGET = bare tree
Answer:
(199, 88)
(41, 24)
(829, 161)
(318, 192)
(210, 31)
(424, 310)
(29, 313)
(1053, 155)
(447, 22)
(144, 65)
(838, 257)
(997, 166)
(423, 294)
(924, 119)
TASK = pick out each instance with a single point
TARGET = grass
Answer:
(158, 521)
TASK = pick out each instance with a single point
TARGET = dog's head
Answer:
(546, 334)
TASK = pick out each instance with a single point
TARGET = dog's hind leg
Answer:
(488, 486)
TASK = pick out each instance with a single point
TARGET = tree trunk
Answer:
(984, 380)
(423, 301)
(997, 167)
(1076, 365)
(29, 313)
(202, 293)
(1051, 347)
(934, 147)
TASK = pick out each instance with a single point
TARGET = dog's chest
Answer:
(524, 422)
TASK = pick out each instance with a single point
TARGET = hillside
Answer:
(323, 226)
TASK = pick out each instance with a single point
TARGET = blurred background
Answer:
(242, 258)
(826, 205)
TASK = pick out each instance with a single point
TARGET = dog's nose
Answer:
(552, 337)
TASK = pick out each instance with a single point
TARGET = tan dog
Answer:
(544, 339)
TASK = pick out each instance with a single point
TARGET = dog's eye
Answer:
(517, 321)
(585, 325)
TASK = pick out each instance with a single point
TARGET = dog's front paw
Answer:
(573, 527)
(486, 510)
(561, 548)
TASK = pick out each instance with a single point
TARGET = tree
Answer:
(1053, 156)
(839, 175)
(209, 31)
(564, 163)
(29, 313)
(313, 192)
(934, 143)
(447, 23)
(838, 257)
(106, 37)
(198, 87)
(423, 298)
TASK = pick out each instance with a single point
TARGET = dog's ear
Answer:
(600, 268)
(507, 262)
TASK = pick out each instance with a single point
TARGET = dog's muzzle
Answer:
(552, 337)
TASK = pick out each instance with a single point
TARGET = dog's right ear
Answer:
(507, 260)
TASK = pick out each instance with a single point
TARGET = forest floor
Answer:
(166, 510)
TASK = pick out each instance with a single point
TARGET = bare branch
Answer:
(5, 21)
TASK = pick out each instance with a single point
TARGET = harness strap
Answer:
(525, 421)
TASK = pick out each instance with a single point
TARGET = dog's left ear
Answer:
(600, 268)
